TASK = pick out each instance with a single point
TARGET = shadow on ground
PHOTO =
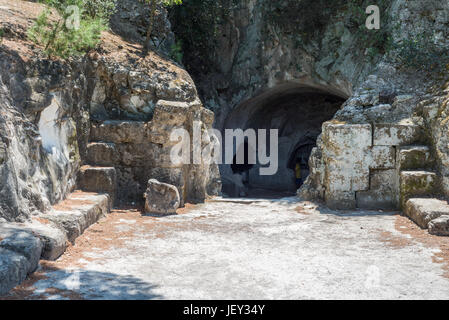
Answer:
(82, 284)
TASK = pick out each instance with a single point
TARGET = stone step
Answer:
(99, 179)
(414, 157)
(414, 184)
(423, 210)
(102, 154)
(79, 211)
(67, 220)
(46, 236)
(119, 131)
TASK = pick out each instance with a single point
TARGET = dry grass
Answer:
(17, 16)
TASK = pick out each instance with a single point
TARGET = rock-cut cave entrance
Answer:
(297, 112)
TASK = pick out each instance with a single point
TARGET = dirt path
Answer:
(236, 250)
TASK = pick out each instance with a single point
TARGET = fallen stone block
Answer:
(173, 176)
(413, 157)
(422, 210)
(415, 184)
(439, 226)
(396, 134)
(13, 270)
(161, 198)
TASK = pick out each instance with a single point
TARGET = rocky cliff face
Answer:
(254, 63)
(43, 117)
(270, 49)
(47, 106)
(260, 45)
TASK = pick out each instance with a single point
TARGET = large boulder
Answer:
(161, 198)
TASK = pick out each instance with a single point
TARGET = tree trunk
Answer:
(52, 38)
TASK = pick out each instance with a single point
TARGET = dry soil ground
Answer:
(267, 249)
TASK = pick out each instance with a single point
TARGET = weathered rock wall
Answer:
(137, 101)
(46, 107)
(140, 151)
(436, 122)
(43, 123)
(403, 101)
(252, 54)
(386, 75)
(131, 22)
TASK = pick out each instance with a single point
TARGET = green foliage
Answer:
(308, 18)
(168, 3)
(376, 42)
(199, 24)
(304, 17)
(2, 33)
(61, 4)
(103, 9)
(176, 51)
(61, 35)
(420, 53)
(90, 8)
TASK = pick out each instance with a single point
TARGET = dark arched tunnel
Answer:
(298, 114)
